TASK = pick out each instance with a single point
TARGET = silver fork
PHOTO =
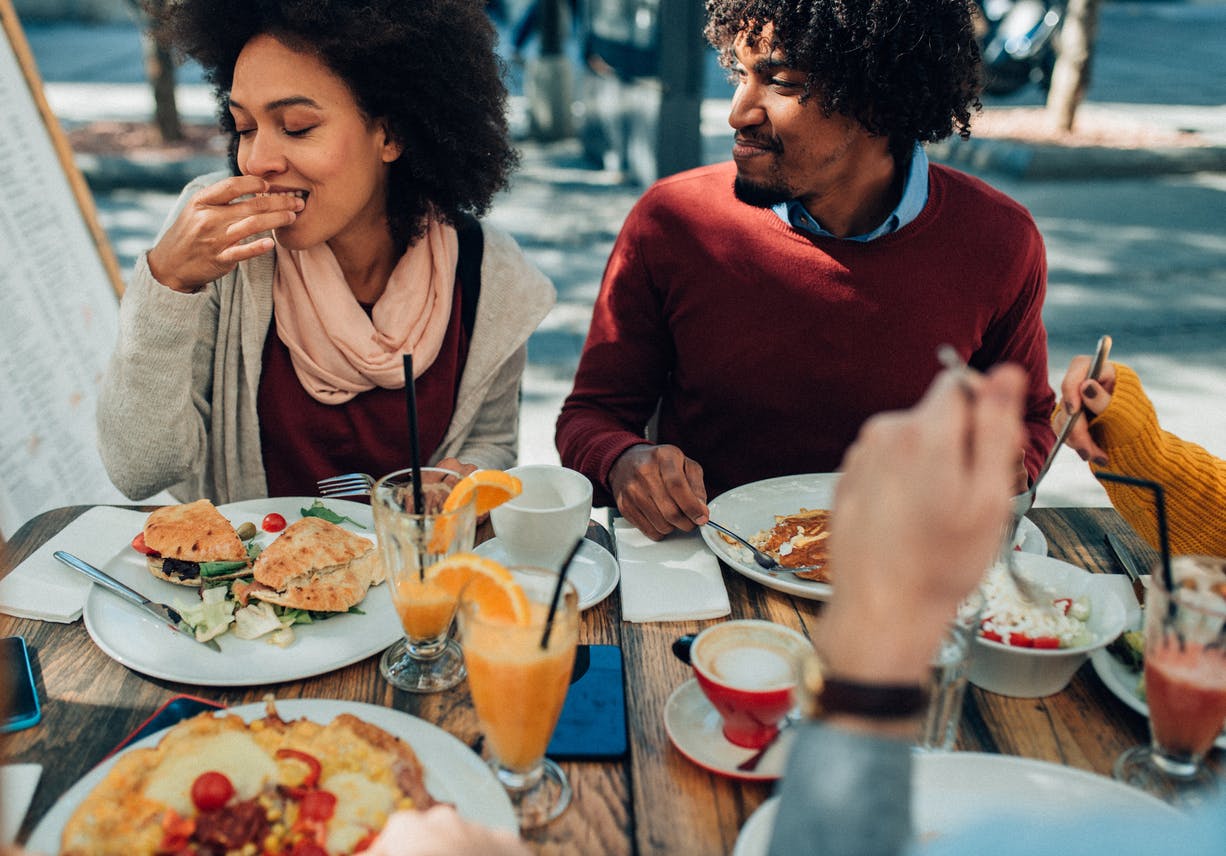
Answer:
(349, 484)
(764, 560)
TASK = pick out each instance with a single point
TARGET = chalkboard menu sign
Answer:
(59, 286)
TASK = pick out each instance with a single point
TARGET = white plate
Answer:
(960, 790)
(1124, 682)
(145, 645)
(594, 571)
(750, 508)
(454, 773)
(694, 727)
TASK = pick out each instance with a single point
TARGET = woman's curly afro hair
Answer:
(428, 69)
(906, 70)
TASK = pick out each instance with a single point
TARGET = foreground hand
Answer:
(1076, 391)
(441, 831)
(210, 236)
(659, 490)
(918, 516)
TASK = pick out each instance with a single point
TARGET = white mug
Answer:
(541, 525)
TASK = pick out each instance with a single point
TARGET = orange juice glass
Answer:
(426, 660)
(518, 688)
(1185, 680)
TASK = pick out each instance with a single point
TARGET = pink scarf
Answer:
(336, 349)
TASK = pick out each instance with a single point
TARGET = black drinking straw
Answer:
(1164, 546)
(410, 395)
(557, 592)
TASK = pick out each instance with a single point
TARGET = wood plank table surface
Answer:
(654, 802)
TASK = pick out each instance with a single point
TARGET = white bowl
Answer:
(1035, 672)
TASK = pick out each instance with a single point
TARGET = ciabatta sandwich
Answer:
(314, 565)
(183, 537)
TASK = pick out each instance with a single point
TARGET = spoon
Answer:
(765, 561)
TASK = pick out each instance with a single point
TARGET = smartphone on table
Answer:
(22, 708)
(592, 726)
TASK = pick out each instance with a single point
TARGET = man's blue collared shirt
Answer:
(914, 198)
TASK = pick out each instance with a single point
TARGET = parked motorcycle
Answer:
(1017, 39)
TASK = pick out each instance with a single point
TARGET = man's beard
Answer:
(761, 195)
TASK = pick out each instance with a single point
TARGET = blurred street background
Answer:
(1140, 255)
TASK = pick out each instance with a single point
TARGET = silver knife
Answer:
(170, 617)
(1129, 563)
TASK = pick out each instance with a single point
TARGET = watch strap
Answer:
(876, 701)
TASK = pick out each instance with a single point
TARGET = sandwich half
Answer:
(314, 565)
(183, 537)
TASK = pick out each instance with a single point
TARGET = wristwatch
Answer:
(825, 694)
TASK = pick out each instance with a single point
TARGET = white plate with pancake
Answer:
(145, 645)
(751, 508)
(454, 773)
(955, 791)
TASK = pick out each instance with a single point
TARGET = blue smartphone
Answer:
(593, 721)
(23, 709)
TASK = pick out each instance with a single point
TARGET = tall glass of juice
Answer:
(518, 686)
(1185, 680)
(426, 660)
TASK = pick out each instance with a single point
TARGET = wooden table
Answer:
(654, 802)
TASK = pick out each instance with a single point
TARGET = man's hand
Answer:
(1076, 391)
(439, 831)
(659, 490)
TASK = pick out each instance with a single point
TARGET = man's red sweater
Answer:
(766, 348)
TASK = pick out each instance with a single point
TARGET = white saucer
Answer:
(594, 571)
(694, 727)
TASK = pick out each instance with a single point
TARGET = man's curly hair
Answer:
(906, 70)
(428, 69)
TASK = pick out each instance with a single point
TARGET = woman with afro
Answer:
(263, 338)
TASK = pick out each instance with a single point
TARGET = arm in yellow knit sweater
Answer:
(1194, 480)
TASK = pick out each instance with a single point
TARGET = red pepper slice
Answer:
(317, 806)
(1065, 604)
(1046, 642)
(991, 635)
(308, 848)
(312, 765)
(138, 544)
(1020, 640)
(176, 831)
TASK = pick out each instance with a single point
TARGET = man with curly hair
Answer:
(762, 309)
(263, 339)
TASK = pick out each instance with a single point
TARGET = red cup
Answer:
(749, 670)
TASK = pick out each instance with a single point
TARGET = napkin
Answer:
(17, 783)
(44, 589)
(676, 579)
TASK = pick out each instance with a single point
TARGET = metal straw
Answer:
(1164, 545)
(557, 592)
(410, 395)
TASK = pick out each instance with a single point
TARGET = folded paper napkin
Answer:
(44, 589)
(18, 783)
(676, 579)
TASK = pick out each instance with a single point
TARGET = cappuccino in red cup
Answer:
(748, 670)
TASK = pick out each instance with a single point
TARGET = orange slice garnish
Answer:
(483, 581)
(491, 488)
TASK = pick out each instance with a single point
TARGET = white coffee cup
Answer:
(541, 525)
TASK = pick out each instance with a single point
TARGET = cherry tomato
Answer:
(211, 791)
(273, 522)
(317, 805)
(138, 544)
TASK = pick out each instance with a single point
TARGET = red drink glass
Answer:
(1185, 680)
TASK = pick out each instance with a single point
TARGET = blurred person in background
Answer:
(758, 311)
(261, 339)
(1121, 435)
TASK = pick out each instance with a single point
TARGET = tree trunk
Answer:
(160, 69)
(1071, 77)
